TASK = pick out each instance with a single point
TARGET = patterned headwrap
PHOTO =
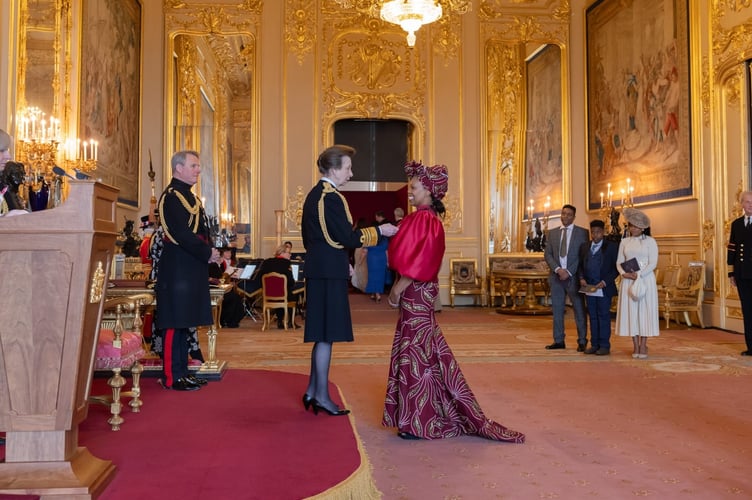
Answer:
(435, 179)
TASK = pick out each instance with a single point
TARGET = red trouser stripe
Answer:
(167, 356)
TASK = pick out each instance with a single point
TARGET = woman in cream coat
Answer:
(637, 314)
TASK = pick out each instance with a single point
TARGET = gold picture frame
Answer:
(638, 112)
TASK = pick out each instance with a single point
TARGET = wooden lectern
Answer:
(54, 266)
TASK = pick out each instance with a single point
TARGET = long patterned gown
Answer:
(427, 395)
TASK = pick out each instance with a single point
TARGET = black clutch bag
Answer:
(630, 266)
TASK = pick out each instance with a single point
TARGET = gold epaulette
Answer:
(369, 236)
(329, 189)
(193, 210)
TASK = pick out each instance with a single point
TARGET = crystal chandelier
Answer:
(411, 15)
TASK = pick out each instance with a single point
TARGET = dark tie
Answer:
(746, 221)
(563, 245)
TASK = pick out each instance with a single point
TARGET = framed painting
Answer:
(543, 135)
(638, 114)
(111, 91)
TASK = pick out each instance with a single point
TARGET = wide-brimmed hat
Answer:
(637, 218)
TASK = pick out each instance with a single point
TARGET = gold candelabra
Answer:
(608, 212)
(537, 230)
(80, 156)
(39, 148)
(38, 141)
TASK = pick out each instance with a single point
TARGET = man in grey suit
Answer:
(563, 258)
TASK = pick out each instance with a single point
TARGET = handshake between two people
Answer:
(388, 230)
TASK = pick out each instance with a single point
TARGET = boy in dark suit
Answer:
(597, 273)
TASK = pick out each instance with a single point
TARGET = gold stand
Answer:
(214, 369)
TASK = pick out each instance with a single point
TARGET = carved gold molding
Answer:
(187, 84)
(294, 210)
(734, 312)
(731, 34)
(708, 234)
(445, 35)
(528, 20)
(453, 216)
(507, 27)
(192, 17)
(446, 38)
(370, 73)
(706, 92)
(504, 109)
(300, 27)
(734, 85)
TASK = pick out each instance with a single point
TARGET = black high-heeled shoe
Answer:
(316, 407)
(307, 400)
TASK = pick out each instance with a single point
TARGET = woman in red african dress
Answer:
(427, 396)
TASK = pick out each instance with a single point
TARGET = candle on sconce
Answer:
(601, 199)
(530, 209)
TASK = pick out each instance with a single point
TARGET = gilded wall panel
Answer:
(300, 27)
(504, 147)
(371, 73)
(510, 29)
(731, 22)
(197, 17)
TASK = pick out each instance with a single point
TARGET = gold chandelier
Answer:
(411, 15)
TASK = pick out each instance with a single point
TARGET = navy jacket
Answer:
(607, 272)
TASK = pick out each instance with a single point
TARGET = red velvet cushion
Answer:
(109, 357)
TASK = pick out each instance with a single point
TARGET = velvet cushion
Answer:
(109, 357)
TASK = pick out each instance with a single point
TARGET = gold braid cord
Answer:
(368, 236)
(193, 210)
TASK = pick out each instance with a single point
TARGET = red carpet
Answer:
(244, 437)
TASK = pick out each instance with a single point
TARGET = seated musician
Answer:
(280, 263)
(232, 303)
(228, 262)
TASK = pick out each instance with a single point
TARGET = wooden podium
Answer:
(54, 266)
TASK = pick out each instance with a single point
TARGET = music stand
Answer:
(249, 299)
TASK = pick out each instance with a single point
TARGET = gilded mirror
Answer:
(43, 70)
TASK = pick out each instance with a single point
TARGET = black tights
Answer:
(318, 384)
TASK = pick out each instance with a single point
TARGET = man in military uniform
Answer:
(182, 287)
(739, 260)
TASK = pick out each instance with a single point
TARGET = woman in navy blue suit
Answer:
(327, 230)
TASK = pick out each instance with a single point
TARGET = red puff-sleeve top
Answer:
(417, 249)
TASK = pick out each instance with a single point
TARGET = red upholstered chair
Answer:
(274, 296)
(120, 347)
